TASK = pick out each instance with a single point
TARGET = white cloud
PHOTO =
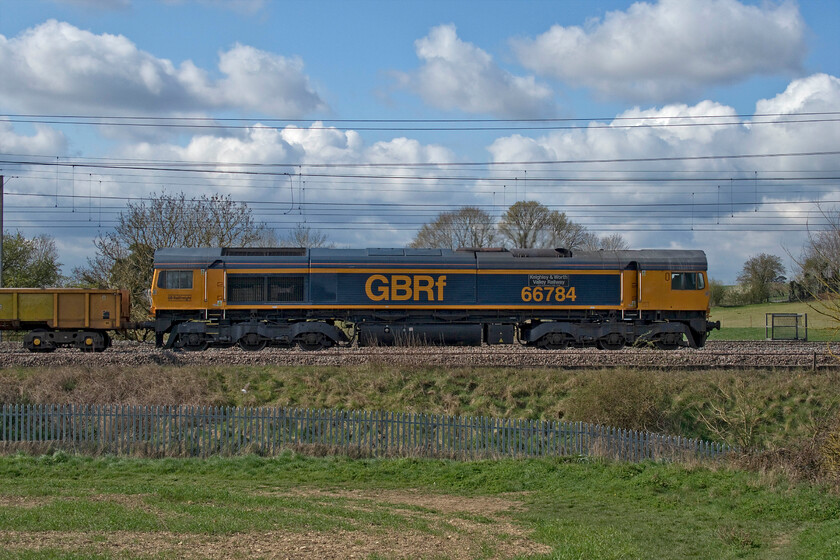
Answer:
(46, 141)
(680, 193)
(459, 75)
(56, 67)
(335, 189)
(266, 82)
(292, 148)
(665, 51)
(814, 94)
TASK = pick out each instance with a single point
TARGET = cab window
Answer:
(687, 281)
(175, 279)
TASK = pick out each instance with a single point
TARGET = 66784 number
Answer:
(548, 293)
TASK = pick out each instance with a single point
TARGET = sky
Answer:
(701, 124)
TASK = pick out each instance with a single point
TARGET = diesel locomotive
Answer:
(318, 298)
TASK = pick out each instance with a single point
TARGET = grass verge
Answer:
(763, 408)
(63, 506)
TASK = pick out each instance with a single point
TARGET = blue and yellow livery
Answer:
(320, 297)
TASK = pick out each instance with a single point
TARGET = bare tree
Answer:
(588, 241)
(529, 224)
(820, 260)
(818, 280)
(563, 232)
(305, 236)
(613, 242)
(465, 227)
(124, 257)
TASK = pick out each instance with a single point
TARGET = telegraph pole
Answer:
(1, 231)
(1, 237)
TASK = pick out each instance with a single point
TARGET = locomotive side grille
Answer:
(245, 288)
(285, 288)
(267, 288)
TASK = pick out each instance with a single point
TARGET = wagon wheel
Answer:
(38, 342)
(311, 342)
(554, 341)
(252, 342)
(107, 343)
(92, 342)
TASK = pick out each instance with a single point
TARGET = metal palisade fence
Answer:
(200, 431)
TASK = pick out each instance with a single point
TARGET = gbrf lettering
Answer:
(402, 287)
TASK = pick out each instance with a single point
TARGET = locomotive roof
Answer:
(646, 259)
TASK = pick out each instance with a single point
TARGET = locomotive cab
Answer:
(175, 289)
(674, 290)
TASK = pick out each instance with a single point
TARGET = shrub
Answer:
(717, 293)
(629, 399)
(828, 446)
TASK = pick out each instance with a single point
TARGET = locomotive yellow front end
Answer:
(177, 289)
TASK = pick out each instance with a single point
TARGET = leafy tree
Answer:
(465, 227)
(759, 274)
(125, 257)
(717, 292)
(30, 263)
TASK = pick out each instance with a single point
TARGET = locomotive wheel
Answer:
(612, 342)
(668, 341)
(194, 342)
(252, 342)
(554, 341)
(310, 342)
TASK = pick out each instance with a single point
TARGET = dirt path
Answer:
(458, 528)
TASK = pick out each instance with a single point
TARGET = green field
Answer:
(748, 322)
(293, 506)
(780, 501)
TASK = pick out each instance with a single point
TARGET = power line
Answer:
(199, 167)
(425, 125)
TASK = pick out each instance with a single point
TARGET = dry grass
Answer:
(145, 385)
(789, 417)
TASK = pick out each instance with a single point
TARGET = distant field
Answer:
(758, 333)
(754, 315)
(747, 322)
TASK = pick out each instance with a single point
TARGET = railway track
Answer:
(718, 354)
